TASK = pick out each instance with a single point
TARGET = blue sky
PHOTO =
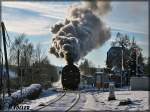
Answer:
(35, 19)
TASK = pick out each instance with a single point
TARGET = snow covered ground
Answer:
(46, 96)
(99, 101)
(95, 101)
(90, 100)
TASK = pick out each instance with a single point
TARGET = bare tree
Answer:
(15, 47)
(22, 46)
(39, 56)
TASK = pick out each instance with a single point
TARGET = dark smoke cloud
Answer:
(81, 31)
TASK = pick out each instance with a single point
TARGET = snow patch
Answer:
(45, 97)
(26, 91)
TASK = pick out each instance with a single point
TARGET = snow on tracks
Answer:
(43, 105)
(66, 103)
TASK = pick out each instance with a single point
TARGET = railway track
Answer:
(50, 102)
(75, 102)
(65, 102)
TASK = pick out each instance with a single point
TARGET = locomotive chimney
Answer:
(68, 58)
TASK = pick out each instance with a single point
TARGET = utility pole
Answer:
(137, 63)
(1, 81)
(1, 76)
(6, 61)
(21, 83)
(19, 72)
(1, 65)
(122, 65)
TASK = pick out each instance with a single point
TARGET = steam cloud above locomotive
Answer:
(81, 31)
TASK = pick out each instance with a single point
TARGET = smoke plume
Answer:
(82, 30)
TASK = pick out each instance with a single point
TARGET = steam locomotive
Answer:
(70, 77)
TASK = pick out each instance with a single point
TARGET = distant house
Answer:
(87, 80)
(101, 80)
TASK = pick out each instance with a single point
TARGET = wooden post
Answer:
(18, 63)
(21, 83)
